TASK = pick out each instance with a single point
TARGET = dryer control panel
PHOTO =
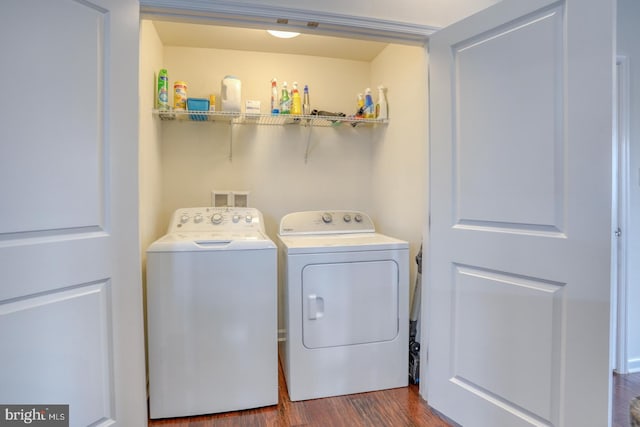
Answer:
(326, 222)
(216, 219)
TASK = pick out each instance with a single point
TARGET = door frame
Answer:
(249, 15)
(620, 217)
(331, 24)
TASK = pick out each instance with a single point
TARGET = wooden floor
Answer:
(625, 388)
(397, 408)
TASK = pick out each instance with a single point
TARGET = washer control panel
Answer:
(326, 222)
(214, 219)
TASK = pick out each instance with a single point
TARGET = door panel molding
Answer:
(502, 153)
(57, 323)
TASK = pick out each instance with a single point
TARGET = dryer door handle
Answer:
(316, 306)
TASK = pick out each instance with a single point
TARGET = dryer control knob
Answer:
(184, 218)
(216, 218)
(327, 218)
(346, 218)
(236, 218)
(358, 218)
(197, 219)
(248, 219)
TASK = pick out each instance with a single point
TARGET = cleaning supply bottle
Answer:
(296, 102)
(180, 95)
(369, 107)
(275, 105)
(285, 100)
(382, 108)
(231, 94)
(360, 111)
(163, 90)
(306, 106)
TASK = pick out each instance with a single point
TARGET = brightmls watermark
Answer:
(34, 415)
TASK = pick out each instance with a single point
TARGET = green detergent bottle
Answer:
(163, 90)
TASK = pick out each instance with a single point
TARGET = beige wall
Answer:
(381, 170)
(149, 138)
(399, 161)
(268, 161)
(150, 179)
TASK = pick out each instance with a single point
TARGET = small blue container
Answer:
(198, 104)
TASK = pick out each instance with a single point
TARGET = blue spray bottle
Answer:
(369, 106)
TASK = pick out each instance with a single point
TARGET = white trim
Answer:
(621, 204)
(633, 365)
(251, 15)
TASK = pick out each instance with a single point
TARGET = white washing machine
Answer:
(212, 314)
(345, 300)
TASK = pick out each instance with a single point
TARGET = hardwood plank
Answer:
(395, 407)
(625, 388)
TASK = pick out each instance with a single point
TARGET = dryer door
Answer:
(349, 303)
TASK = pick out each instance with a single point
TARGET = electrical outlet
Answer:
(241, 199)
(221, 198)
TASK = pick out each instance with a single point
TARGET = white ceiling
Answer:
(222, 37)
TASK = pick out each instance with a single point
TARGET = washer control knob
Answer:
(327, 218)
(248, 219)
(197, 219)
(184, 218)
(236, 218)
(358, 218)
(346, 218)
(216, 218)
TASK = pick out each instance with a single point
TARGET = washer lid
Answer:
(211, 241)
(306, 244)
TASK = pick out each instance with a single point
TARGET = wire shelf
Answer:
(265, 119)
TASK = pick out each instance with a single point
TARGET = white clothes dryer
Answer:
(344, 293)
(212, 314)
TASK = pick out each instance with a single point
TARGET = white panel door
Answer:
(521, 127)
(70, 291)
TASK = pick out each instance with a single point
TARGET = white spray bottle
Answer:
(382, 108)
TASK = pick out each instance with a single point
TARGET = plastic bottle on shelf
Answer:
(275, 105)
(163, 90)
(382, 108)
(285, 100)
(306, 106)
(212, 103)
(360, 103)
(180, 95)
(369, 107)
(231, 94)
(296, 102)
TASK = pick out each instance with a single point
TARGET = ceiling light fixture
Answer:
(283, 34)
